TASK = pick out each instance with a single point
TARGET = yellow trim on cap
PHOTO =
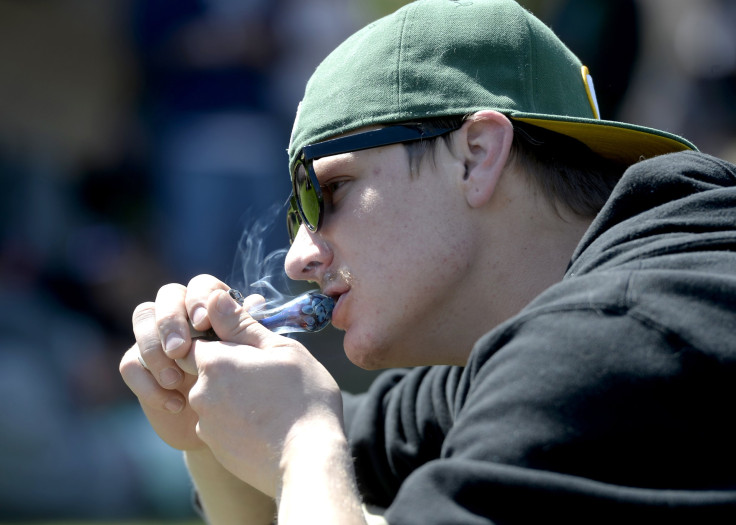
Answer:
(590, 91)
(618, 143)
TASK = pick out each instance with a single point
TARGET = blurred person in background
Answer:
(206, 68)
(685, 79)
(81, 121)
(72, 445)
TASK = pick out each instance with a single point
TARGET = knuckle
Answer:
(153, 399)
(138, 380)
(206, 367)
(170, 288)
(201, 280)
(143, 312)
(199, 289)
(148, 342)
(166, 318)
(241, 328)
(198, 431)
(148, 347)
(197, 400)
(129, 361)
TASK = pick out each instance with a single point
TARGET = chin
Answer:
(367, 353)
(367, 360)
(370, 353)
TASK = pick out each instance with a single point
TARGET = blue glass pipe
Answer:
(309, 312)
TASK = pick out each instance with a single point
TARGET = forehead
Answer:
(341, 161)
(351, 162)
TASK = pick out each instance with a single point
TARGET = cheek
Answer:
(369, 200)
(403, 260)
(403, 267)
(376, 228)
(406, 226)
(389, 213)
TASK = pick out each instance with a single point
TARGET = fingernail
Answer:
(173, 341)
(169, 376)
(226, 304)
(198, 315)
(174, 405)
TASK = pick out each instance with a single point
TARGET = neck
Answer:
(526, 248)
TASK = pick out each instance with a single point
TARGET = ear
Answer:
(486, 143)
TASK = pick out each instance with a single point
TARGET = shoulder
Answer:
(692, 165)
(617, 324)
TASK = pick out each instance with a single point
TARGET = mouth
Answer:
(339, 295)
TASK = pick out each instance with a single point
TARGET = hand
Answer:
(162, 335)
(258, 395)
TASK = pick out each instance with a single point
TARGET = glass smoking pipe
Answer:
(309, 312)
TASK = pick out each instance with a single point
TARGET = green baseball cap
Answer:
(435, 58)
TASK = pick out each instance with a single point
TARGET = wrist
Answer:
(318, 481)
(224, 498)
(202, 461)
(314, 442)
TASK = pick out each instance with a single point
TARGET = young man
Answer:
(452, 191)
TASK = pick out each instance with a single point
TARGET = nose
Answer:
(308, 258)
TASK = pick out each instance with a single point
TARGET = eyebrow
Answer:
(325, 166)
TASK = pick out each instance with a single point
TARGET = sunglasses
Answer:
(306, 203)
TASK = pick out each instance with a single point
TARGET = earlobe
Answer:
(487, 142)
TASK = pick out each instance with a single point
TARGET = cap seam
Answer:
(531, 99)
(399, 60)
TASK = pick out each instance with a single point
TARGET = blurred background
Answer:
(140, 139)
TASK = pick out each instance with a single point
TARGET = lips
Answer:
(337, 312)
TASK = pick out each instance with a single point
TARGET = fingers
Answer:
(150, 350)
(172, 320)
(234, 325)
(141, 381)
(163, 328)
(232, 321)
(197, 293)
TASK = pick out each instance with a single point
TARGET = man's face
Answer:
(393, 250)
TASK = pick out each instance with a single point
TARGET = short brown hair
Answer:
(565, 170)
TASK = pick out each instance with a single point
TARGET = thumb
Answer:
(232, 322)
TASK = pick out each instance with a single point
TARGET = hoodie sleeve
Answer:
(398, 425)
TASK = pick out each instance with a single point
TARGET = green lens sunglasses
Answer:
(306, 204)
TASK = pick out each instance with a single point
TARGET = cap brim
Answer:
(624, 143)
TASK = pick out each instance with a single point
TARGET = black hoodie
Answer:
(607, 399)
